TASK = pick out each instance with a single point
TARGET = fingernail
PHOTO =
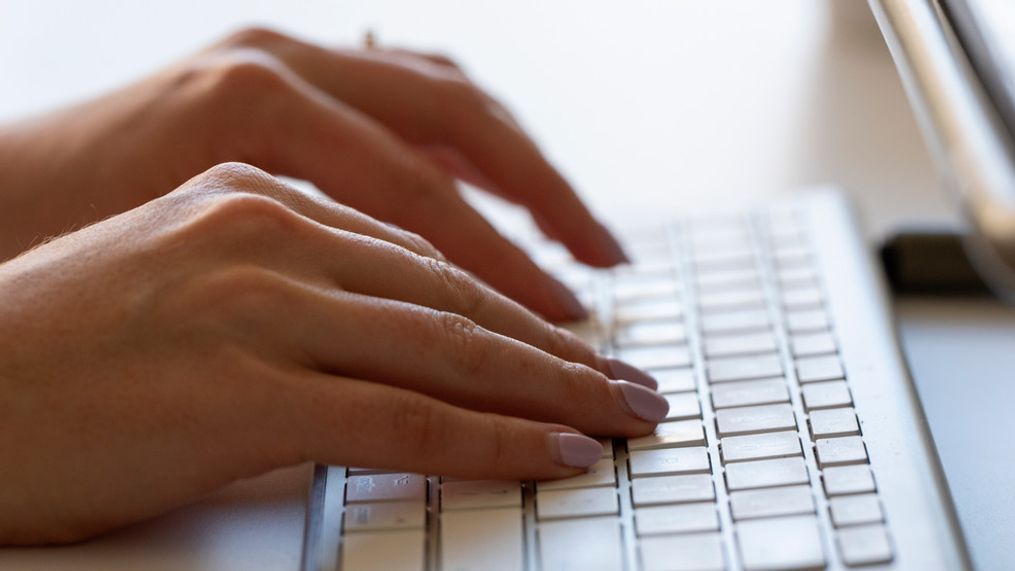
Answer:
(628, 372)
(575, 450)
(573, 309)
(645, 403)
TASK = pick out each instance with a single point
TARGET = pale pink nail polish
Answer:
(621, 370)
(645, 403)
(575, 450)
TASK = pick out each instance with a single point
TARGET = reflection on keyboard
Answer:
(761, 463)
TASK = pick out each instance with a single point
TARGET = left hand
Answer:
(384, 131)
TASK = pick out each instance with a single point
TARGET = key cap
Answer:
(651, 333)
(723, 259)
(760, 446)
(771, 502)
(826, 394)
(754, 419)
(588, 330)
(385, 487)
(736, 345)
(742, 279)
(864, 545)
(607, 444)
(844, 480)
(648, 310)
(656, 357)
(602, 473)
(671, 435)
(730, 299)
(579, 502)
(812, 344)
(482, 540)
(357, 471)
(855, 510)
(745, 393)
(803, 298)
(743, 368)
(581, 545)
(807, 321)
(656, 269)
(669, 461)
(734, 321)
(766, 473)
(683, 406)
(833, 422)
(782, 543)
(824, 368)
(674, 380)
(698, 552)
(793, 278)
(472, 494)
(672, 489)
(792, 257)
(384, 551)
(839, 451)
(684, 518)
(626, 290)
(387, 515)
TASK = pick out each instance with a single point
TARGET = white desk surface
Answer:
(677, 104)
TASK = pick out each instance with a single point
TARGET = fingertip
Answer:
(574, 450)
(625, 371)
(569, 307)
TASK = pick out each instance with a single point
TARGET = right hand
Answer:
(236, 325)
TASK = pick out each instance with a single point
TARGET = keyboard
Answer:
(764, 460)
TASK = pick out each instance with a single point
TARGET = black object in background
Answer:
(930, 262)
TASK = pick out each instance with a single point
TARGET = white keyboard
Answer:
(761, 464)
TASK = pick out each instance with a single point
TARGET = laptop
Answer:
(795, 438)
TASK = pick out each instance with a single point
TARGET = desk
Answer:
(684, 103)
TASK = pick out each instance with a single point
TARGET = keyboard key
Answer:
(826, 395)
(472, 494)
(385, 487)
(802, 298)
(746, 393)
(741, 278)
(760, 446)
(648, 310)
(807, 321)
(602, 473)
(683, 406)
(580, 502)
(839, 451)
(730, 299)
(384, 551)
(792, 257)
(844, 480)
(587, 329)
(745, 344)
(669, 461)
(607, 444)
(626, 290)
(800, 277)
(656, 357)
(766, 473)
(864, 545)
(782, 543)
(698, 552)
(482, 540)
(743, 368)
(580, 545)
(657, 520)
(834, 422)
(754, 419)
(771, 502)
(672, 490)
(386, 515)
(855, 510)
(826, 368)
(674, 380)
(671, 435)
(651, 333)
(734, 321)
(810, 344)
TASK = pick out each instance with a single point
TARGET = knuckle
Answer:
(244, 215)
(463, 339)
(465, 295)
(420, 245)
(232, 176)
(500, 443)
(243, 73)
(414, 417)
(254, 36)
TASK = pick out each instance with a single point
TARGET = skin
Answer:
(234, 325)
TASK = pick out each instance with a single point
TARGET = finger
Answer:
(348, 422)
(433, 105)
(445, 356)
(351, 157)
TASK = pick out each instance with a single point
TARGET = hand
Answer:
(385, 132)
(236, 325)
